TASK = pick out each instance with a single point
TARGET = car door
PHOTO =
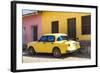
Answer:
(48, 45)
(40, 46)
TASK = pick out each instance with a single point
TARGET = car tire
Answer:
(31, 51)
(56, 52)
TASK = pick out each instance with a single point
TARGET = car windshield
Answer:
(63, 38)
(43, 39)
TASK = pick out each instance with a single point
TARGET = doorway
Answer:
(34, 33)
(72, 28)
(55, 27)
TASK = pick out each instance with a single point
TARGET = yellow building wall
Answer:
(48, 17)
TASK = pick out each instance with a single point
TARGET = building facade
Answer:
(31, 27)
(76, 25)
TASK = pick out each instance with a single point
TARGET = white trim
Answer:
(21, 65)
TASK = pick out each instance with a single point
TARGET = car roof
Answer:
(56, 34)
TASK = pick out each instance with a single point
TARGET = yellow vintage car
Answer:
(57, 44)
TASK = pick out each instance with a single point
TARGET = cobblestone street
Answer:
(49, 58)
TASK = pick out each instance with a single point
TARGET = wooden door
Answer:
(55, 27)
(34, 33)
(72, 28)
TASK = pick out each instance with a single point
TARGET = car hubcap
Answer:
(30, 51)
(56, 53)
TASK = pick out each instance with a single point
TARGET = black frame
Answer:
(13, 34)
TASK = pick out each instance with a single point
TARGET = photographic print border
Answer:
(13, 34)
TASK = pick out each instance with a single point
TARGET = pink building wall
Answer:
(28, 21)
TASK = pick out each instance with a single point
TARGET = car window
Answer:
(60, 38)
(43, 39)
(51, 38)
